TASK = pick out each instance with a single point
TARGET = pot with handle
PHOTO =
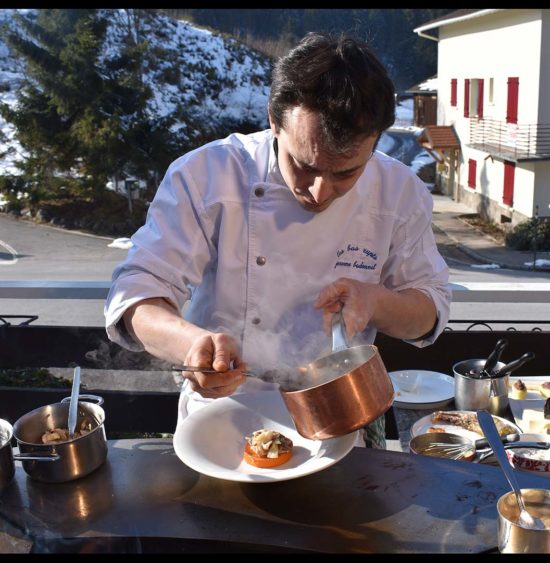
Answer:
(473, 391)
(75, 457)
(339, 393)
(7, 457)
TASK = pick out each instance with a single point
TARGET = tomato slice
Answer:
(265, 462)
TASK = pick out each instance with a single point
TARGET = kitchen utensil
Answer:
(452, 446)
(512, 366)
(339, 335)
(491, 433)
(210, 370)
(339, 393)
(73, 405)
(7, 457)
(515, 538)
(494, 357)
(474, 392)
(74, 458)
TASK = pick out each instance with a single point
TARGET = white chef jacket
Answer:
(225, 237)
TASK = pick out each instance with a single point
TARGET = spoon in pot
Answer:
(512, 366)
(489, 428)
(73, 405)
(493, 358)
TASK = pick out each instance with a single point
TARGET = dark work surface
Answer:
(144, 498)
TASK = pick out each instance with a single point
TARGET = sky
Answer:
(202, 51)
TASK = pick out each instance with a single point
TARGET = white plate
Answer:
(534, 400)
(420, 389)
(212, 440)
(421, 426)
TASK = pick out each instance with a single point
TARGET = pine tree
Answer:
(82, 115)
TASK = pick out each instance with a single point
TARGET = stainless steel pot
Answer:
(7, 457)
(474, 392)
(514, 538)
(74, 458)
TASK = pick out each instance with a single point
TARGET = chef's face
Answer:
(316, 175)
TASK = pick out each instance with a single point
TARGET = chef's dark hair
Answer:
(341, 78)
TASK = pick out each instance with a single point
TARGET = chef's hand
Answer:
(357, 301)
(406, 314)
(220, 352)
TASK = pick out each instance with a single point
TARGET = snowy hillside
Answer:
(217, 78)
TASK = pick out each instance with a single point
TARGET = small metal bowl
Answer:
(513, 538)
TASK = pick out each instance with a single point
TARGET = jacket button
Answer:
(261, 260)
(259, 192)
(256, 321)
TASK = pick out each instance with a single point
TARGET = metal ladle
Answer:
(526, 520)
(73, 405)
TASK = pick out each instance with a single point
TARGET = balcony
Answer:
(510, 141)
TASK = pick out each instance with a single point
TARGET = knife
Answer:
(73, 405)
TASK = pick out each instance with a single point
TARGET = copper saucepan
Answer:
(341, 392)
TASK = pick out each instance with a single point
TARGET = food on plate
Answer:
(545, 389)
(519, 390)
(267, 448)
(534, 421)
(436, 429)
(468, 421)
(62, 434)
(547, 410)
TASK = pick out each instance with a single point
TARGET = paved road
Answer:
(51, 253)
(46, 253)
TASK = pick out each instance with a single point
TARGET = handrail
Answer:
(510, 140)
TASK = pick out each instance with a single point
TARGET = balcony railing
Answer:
(511, 141)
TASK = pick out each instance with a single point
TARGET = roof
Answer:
(454, 17)
(428, 86)
(439, 137)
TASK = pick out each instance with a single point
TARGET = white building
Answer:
(494, 93)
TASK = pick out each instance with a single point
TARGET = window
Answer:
(512, 106)
(491, 93)
(472, 166)
(476, 98)
(508, 191)
(453, 91)
(466, 97)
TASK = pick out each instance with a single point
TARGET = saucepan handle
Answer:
(36, 456)
(339, 337)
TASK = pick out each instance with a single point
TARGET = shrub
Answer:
(534, 231)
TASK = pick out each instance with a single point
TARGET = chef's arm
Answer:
(408, 314)
(159, 328)
(157, 325)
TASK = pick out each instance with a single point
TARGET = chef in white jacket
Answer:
(253, 242)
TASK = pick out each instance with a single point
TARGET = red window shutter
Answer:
(453, 91)
(466, 97)
(472, 165)
(512, 107)
(509, 174)
(480, 99)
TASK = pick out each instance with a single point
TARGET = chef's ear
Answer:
(272, 123)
